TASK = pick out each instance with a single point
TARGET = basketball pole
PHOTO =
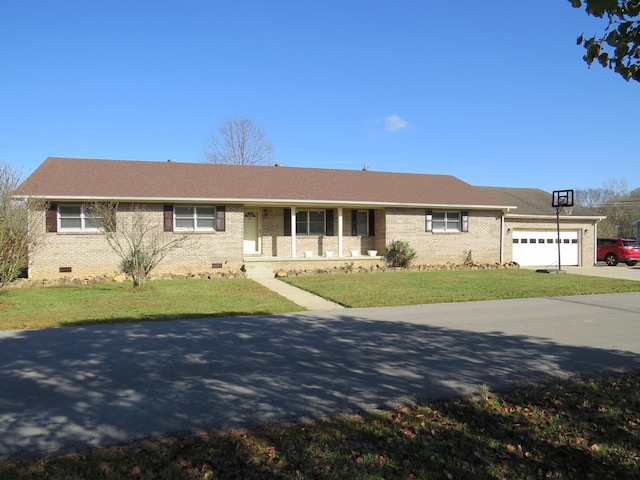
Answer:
(558, 228)
(560, 199)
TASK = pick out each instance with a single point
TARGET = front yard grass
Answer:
(179, 299)
(120, 302)
(413, 288)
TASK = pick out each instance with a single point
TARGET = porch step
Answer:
(258, 271)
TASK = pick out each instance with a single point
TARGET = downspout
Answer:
(595, 244)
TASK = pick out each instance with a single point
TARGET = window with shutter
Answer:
(362, 222)
(198, 218)
(447, 221)
(77, 218)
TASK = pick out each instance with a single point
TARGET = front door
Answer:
(252, 231)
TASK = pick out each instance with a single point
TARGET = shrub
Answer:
(399, 254)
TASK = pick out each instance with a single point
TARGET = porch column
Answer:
(293, 232)
(339, 231)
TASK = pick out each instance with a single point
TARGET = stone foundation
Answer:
(381, 267)
(344, 268)
(120, 278)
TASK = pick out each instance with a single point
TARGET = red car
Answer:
(614, 250)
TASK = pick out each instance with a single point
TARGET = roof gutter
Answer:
(547, 217)
(261, 201)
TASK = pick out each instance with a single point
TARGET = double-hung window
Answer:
(79, 218)
(310, 222)
(447, 221)
(195, 218)
(362, 222)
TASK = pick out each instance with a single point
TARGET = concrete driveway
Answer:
(72, 388)
(620, 271)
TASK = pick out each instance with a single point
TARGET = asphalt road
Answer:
(72, 388)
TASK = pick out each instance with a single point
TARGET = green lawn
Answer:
(120, 302)
(412, 288)
(174, 299)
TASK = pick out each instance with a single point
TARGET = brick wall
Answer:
(89, 254)
(434, 248)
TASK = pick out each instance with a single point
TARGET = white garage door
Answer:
(540, 247)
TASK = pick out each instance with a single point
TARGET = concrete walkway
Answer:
(297, 295)
(264, 276)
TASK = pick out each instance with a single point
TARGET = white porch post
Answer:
(293, 232)
(339, 231)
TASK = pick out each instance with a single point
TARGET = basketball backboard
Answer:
(562, 198)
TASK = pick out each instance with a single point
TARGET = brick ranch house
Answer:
(284, 217)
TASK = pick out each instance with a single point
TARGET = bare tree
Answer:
(18, 232)
(238, 141)
(136, 239)
(613, 200)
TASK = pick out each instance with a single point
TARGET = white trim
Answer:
(82, 217)
(293, 232)
(510, 216)
(266, 201)
(340, 230)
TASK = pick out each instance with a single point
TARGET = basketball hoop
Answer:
(562, 198)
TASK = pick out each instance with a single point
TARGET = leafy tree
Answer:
(619, 46)
(239, 141)
(138, 241)
(18, 232)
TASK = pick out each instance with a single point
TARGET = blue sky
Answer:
(494, 93)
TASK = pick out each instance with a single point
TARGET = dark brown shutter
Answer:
(328, 218)
(372, 222)
(110, 221)
(220, 213)
(52, 218)
(168, 218)
(465, 222)
(354, 223)
(287, 222)
(429, 221)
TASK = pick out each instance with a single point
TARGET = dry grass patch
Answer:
(583, 429)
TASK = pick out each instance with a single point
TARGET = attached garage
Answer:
(540, 247)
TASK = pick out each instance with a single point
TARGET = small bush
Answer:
(399, 254)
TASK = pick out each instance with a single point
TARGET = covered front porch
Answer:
(312, 234)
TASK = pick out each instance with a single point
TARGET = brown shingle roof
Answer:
(76, 178)
(533, 201)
